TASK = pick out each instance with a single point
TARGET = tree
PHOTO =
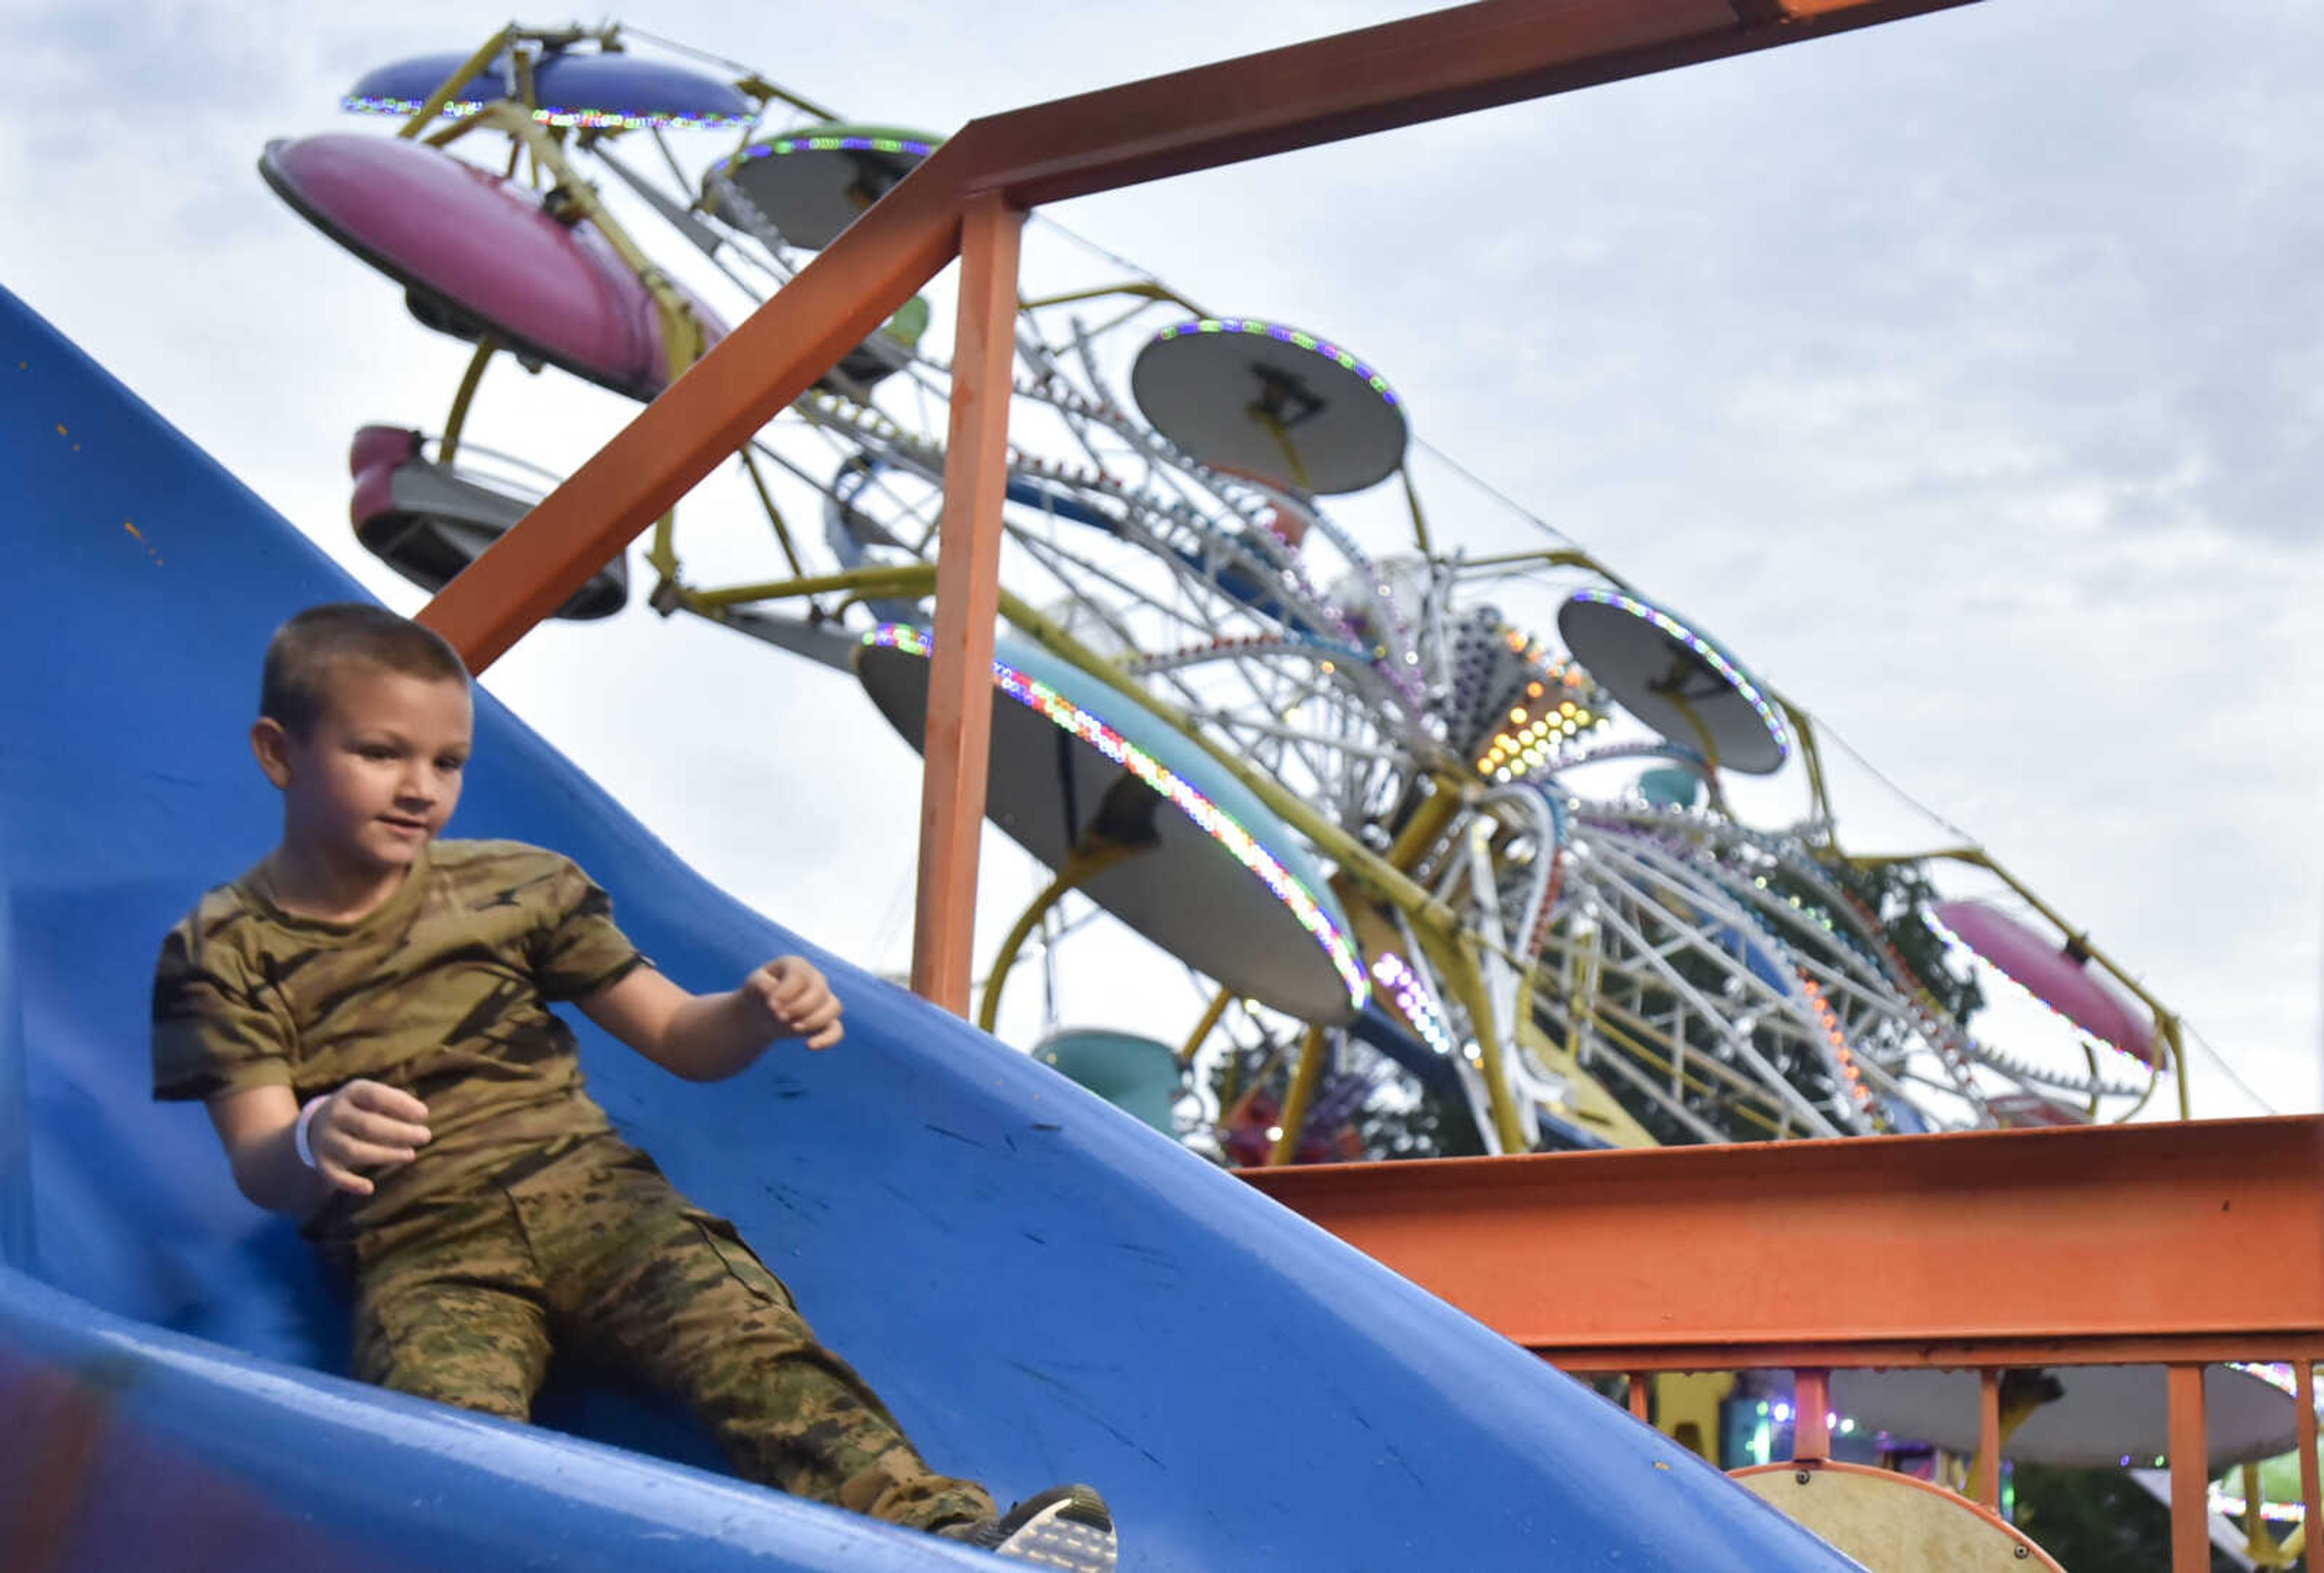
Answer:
(2097, 1521)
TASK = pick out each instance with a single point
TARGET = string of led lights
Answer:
(1961, 950)
(1182, 794)
(1710, 654)
(1297, 337)
(582, 117)
(823, 142)
(1413, 1000)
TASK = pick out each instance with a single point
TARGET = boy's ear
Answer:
(272, 744)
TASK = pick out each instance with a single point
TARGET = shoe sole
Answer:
(1075, 1533)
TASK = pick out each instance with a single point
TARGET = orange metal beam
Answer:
(957, 748)
(2002, 1248)
(1401, 73)
(1840, 1350)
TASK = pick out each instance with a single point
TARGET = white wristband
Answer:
(298, 1132)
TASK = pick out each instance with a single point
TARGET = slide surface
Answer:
(1041, 1287)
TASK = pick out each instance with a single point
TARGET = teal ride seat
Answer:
(1670, 786)
(1138, 1076)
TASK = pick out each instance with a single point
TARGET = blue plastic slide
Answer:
(1043, 1288)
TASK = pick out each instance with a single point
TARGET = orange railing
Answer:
(969, 199)
(2180, 1245)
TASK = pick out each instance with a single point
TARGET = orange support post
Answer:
(1641, 1395)
(2311, 1495)
(1810, 1415)
(958, 741)
(2190, 1512)
(1987, 1486)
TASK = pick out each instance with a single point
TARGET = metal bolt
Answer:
(1800, 1475)
(2023, 1553)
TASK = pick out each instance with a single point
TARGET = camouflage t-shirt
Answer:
(443, 992)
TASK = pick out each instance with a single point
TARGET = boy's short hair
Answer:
(295, 683)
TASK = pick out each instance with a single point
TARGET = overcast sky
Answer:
(1963, 375)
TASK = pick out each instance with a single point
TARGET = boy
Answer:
(365, 1015)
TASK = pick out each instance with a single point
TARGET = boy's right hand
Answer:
(365, 1124)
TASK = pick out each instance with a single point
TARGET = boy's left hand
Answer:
(798, 999)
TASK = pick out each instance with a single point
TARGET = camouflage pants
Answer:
(597, 1252)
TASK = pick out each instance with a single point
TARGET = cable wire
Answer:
(1041, 216)
(2220, 1061)
(1827, 733)
(1498, 495)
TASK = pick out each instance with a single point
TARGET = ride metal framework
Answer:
(1583, 968)
(970, 199)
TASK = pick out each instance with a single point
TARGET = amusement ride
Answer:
(1445, 848)
(1432, 828)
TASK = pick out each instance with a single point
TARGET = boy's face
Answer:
(379, 773)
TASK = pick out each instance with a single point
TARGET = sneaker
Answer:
(1066, 1526)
